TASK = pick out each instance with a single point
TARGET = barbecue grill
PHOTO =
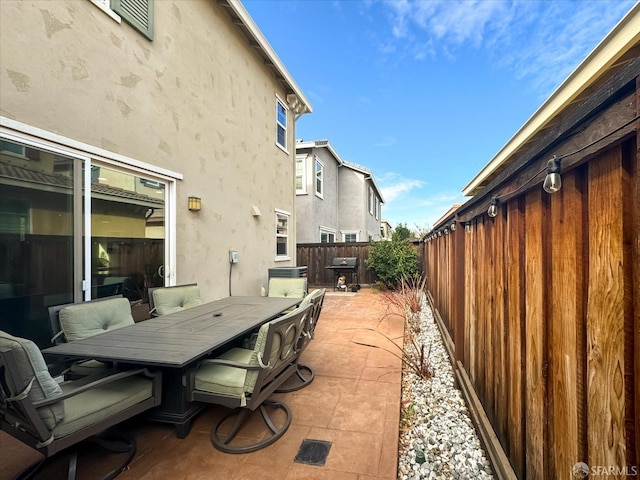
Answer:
(342, 266)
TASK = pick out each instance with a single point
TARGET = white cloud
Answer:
(540, 41)
(394, 186)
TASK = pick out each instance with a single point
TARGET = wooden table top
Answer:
(177, 339)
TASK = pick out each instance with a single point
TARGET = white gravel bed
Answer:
(436, 419)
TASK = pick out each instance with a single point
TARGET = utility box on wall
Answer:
(288, 272)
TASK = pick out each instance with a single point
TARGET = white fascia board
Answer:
(246, 19)
(621, 38)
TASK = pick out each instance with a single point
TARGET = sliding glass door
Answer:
(59, 244)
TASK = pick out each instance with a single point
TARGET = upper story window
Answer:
(327, 235)
(350, 236)
(371, 200)
(282, 235)
(137, 13)
(301, 184)
(281, 121)
(377, 208)
(319, 178)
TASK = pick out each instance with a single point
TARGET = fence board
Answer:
(499, 333)
(605, 315)
(515, 310)
(535, 338)
(565, 323)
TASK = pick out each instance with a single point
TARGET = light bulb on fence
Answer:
(493, 208)
(553, 181)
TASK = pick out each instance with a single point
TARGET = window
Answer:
(137, 13)
(350, 236)
(281, 120)
(377, 208)
(327, 235)
(319, 178)
(371, 200)
(301, 184)
(282, 235)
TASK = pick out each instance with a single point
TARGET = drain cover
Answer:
(313, 452)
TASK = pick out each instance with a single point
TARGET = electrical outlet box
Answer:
(233, 256)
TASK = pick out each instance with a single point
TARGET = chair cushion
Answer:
(99, 403)
(222, 378)
(83, 320)
(31, 365)
(88, 367)
(174, 299)
(288, 287)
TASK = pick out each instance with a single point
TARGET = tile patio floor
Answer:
(354, 403)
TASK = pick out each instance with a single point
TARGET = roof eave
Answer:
(268, 53)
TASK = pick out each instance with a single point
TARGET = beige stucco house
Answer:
(116, 119)
(336, 201)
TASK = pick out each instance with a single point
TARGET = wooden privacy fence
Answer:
(317, 256)
(542, 302)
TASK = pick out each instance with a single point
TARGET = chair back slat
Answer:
(279, 350)
(19, 411)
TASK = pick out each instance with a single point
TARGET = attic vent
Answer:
(321, 143)
(137, 13)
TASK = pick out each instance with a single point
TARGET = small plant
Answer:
(406, 302)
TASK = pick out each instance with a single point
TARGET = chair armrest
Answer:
(103, 380)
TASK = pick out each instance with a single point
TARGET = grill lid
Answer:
(345, 262)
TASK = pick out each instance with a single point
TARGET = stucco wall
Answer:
(353, 202)
(197, 100)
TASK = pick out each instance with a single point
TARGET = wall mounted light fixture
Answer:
(467, 227)
(553, 181)
(493, 208)
(453, 226)
(195, 204)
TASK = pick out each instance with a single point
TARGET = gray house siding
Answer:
(344, 206)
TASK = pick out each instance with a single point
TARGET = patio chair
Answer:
(287, 287)
(74, 321)
(51, 417)
(244, 379)
(165, 300)
(304, 374)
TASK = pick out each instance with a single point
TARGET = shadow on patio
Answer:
(354, 403)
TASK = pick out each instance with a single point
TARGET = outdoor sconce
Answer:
(195, 204)
(467, 227)
(553, 181)
(446, 231)
(493, 208)
(453, 227)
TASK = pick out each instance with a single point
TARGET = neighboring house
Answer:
(336, 201)
(137, 150)
(386, 230)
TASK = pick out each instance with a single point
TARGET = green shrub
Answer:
(391, 260)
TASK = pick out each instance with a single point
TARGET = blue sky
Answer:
(424, 93)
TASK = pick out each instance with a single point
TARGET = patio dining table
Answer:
(174, 342)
